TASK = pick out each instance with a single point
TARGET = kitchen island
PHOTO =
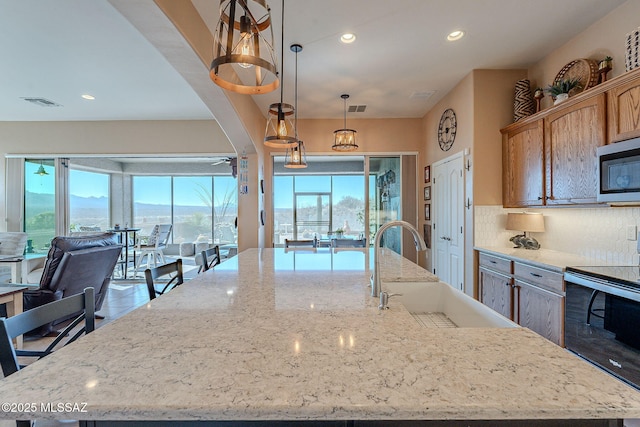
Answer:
(271, 335)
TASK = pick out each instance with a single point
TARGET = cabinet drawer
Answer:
(495, 263)
(539, 276)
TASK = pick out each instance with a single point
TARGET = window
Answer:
(39, 204)
(151, 202)
(200, 208)
(88, 201)
(308, 205)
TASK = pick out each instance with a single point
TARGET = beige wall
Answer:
(493, 109)
(605, 37)
(598, 233)
(178, 137)
(483, 102)
(373, 137)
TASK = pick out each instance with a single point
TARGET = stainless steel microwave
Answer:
(619, 172)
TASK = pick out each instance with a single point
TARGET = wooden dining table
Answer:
(273, 337)
(12, 297)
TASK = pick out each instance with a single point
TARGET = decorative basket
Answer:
(586, 70)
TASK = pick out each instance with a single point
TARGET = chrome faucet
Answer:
(376, 284)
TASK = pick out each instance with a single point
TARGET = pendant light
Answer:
(344, 139)
(244, 37)
(280, 132)
(41, 170)
(296, 157)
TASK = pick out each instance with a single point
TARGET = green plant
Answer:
(563, 86)
(339, 230)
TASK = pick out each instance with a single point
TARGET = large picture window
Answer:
(39, 204)
(201, 208)
(88, 201)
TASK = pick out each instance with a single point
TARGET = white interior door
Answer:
(448, 220)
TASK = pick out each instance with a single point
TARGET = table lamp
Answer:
(525, 222)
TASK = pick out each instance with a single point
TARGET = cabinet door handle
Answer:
(539, 197)
(492, 261)
(535, 274)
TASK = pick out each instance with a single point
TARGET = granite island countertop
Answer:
(268, 336)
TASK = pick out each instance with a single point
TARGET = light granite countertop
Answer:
(283, 338)
(543, 258)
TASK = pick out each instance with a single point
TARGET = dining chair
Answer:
(349, 243)
(209, 258)
(81, 305)
(300, 243)
(152, 274)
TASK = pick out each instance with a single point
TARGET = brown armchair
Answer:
(75, 263)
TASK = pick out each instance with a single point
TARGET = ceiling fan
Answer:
(222, 160)
(231, 161)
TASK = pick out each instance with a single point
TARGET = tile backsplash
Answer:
(599, 234)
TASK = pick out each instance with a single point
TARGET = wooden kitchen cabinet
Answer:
(540, 301)
(496, 291)
(523, 166)
(624, 111)
(529, 295)
(571, 137)
(495, 284)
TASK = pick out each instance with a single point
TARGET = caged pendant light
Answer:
(243, 48)
(280, 132)
(296, 157)
(344, 139)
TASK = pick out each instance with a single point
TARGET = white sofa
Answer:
(12, 243)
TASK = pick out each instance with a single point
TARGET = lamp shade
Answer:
(525, 221)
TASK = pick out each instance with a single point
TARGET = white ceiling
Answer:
(61, 49)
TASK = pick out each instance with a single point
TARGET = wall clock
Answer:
(447, 129)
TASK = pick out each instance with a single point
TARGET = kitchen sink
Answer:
(438, 304)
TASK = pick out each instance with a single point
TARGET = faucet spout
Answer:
(376, 284)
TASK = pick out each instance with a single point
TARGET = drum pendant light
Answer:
(243, 48)
(344, 139)
(296, 157)
(280, 132)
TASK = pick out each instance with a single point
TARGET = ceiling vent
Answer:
(422, 94)
(43, 102)
(357, 108)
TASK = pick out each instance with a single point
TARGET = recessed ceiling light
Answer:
(348, 38)
(89, 97)
(455, 35)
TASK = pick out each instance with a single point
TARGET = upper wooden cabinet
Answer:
(571, 137)
(564, 138)
(624, 111)
(523, 165)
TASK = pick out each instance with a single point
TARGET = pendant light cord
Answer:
(296, 96)
(282, 55)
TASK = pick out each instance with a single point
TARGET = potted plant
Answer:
(560, 90)
(339, 232)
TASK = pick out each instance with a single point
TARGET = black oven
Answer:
(602, 318)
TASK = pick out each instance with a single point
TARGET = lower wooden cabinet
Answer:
(496, 292)
(529, 295)
(540, 310)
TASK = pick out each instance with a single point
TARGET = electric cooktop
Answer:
(628, 275)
